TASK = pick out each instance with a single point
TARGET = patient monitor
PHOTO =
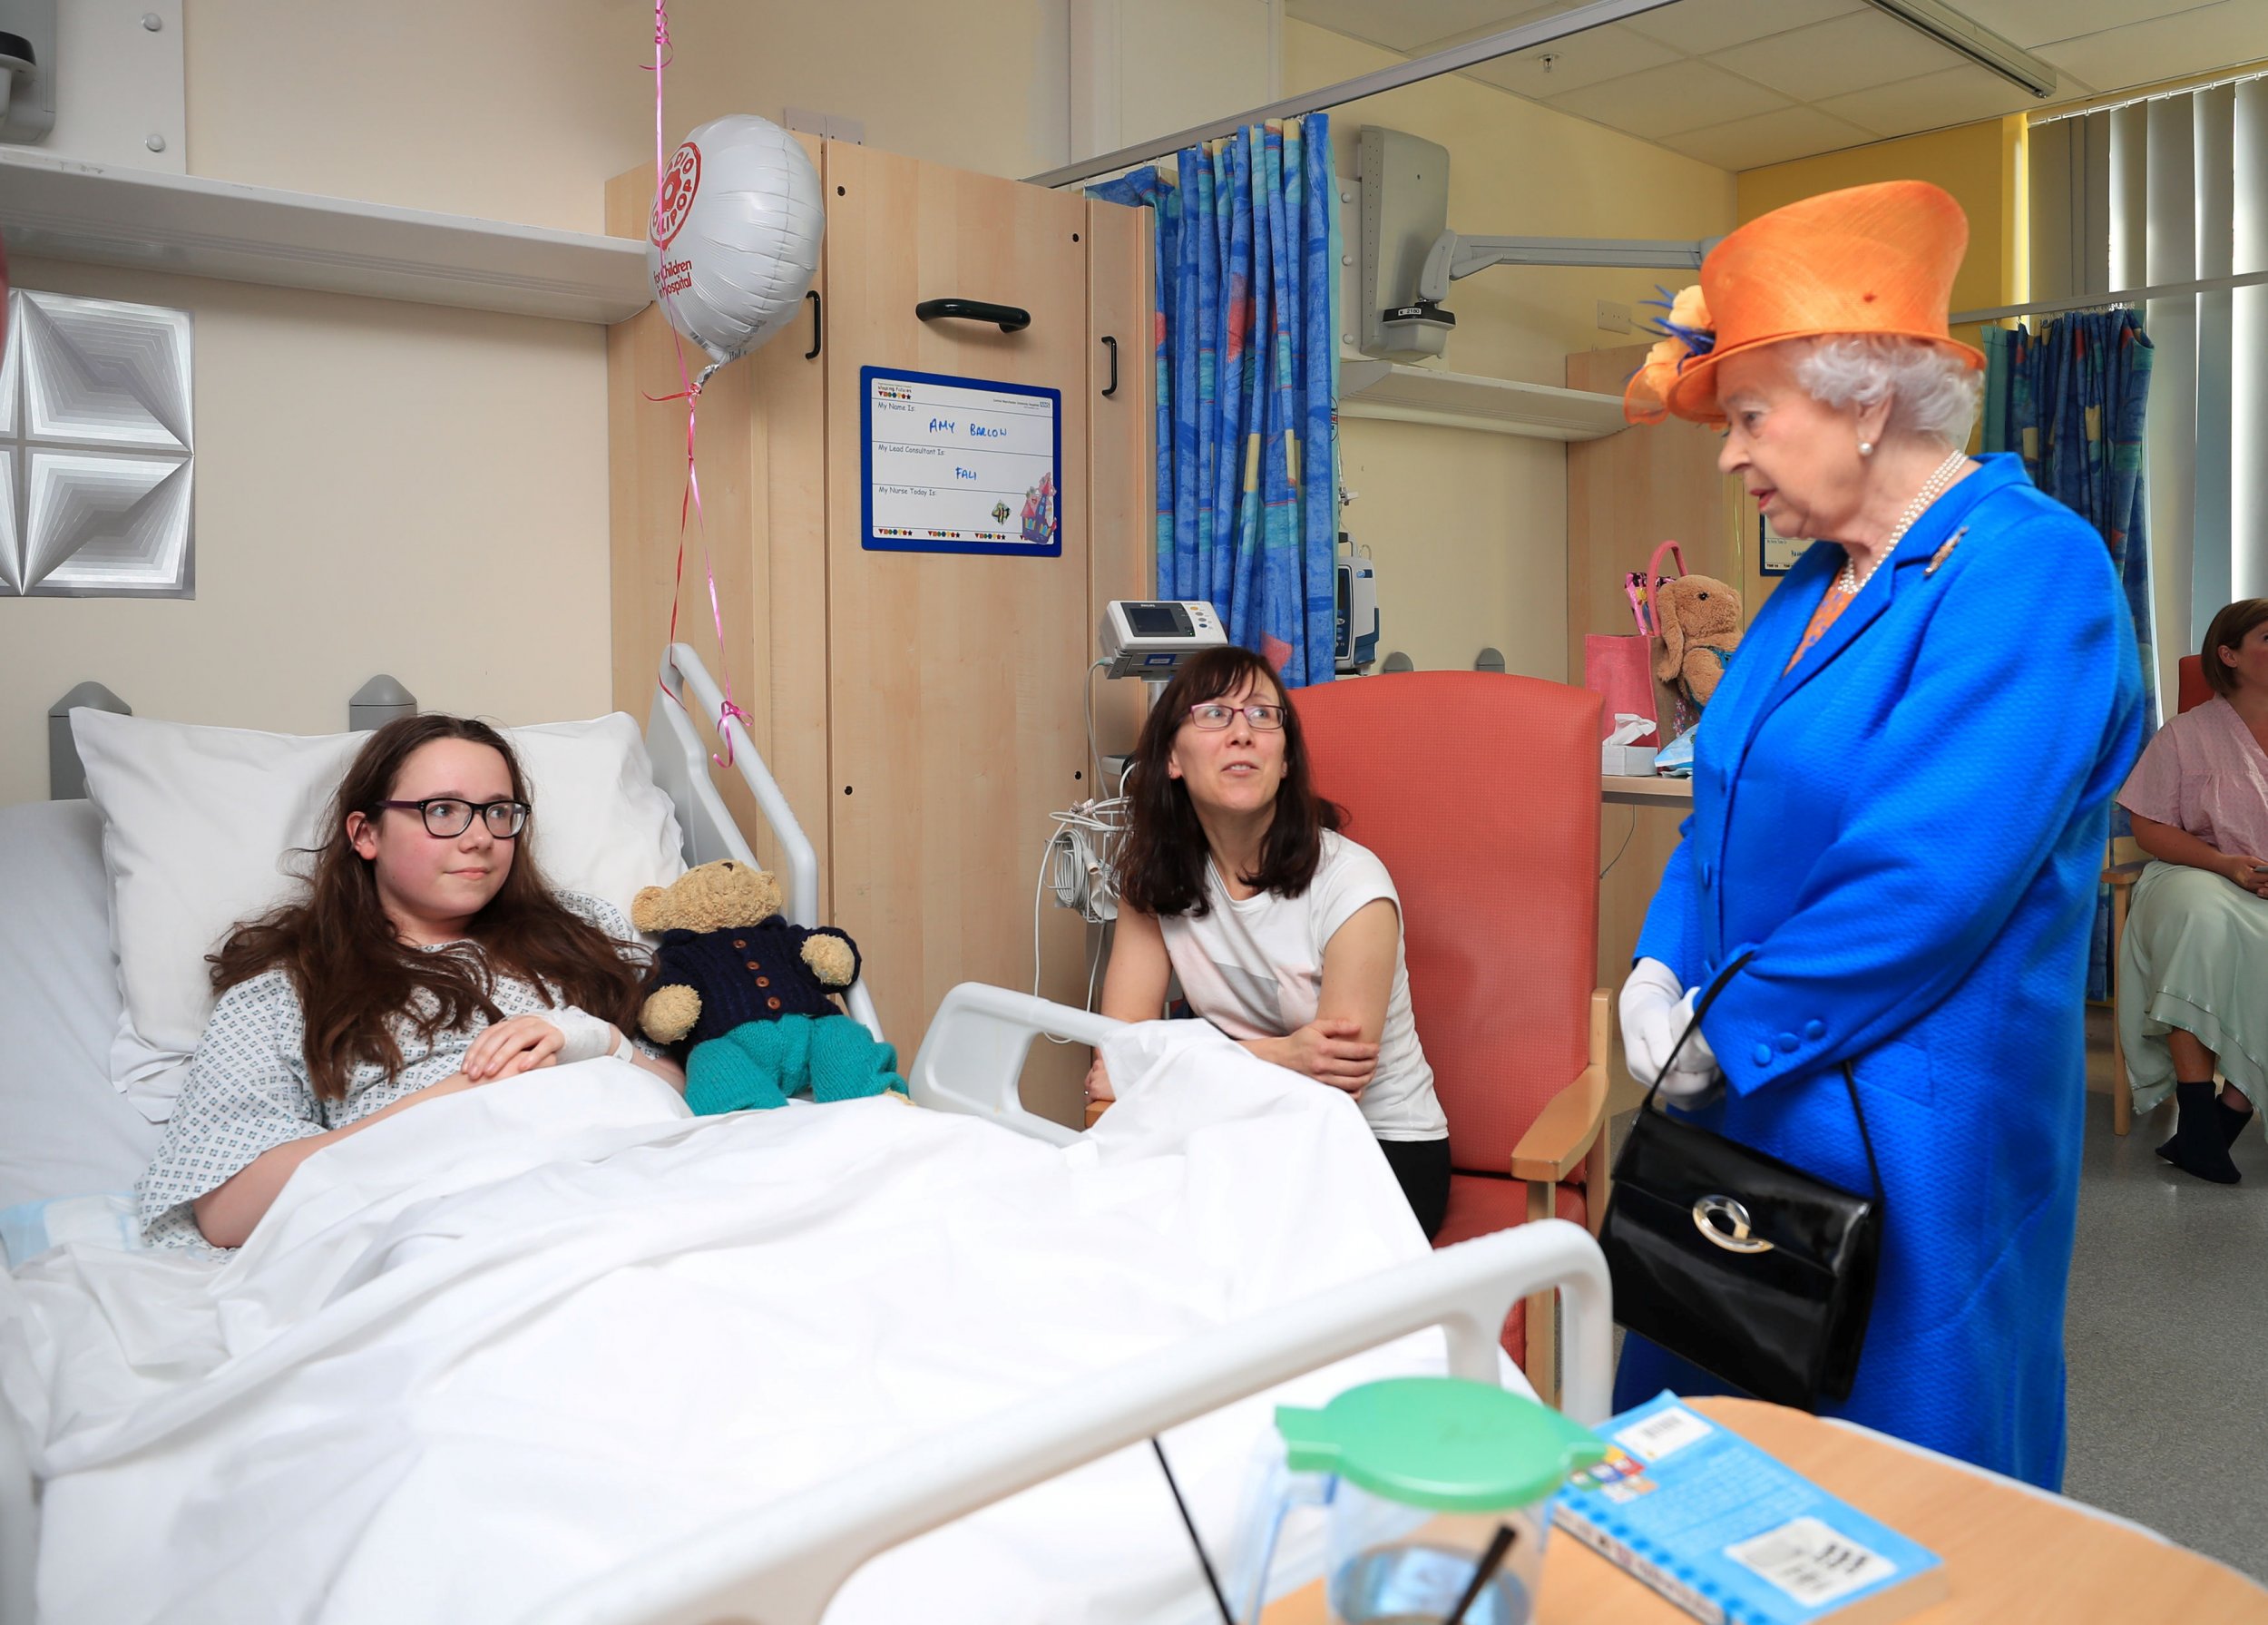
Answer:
(1153, 638)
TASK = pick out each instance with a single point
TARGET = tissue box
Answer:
(1626, 761)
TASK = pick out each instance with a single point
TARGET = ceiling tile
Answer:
(1846, 53)
(1576, 62)
(2190, 42)
(1685, 96)
(1407, 25)
(2038, 22)
(1959, 96)
(1768, 138)
(1700, 27)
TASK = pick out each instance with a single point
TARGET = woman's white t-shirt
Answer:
(1253, 968)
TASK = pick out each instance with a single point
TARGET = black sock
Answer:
(2197, 1147)
(2231, 1121)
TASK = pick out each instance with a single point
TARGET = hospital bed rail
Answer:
(785, 1567)
(682, 772)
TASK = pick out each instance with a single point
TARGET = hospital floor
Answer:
(2168, 1314)
(2166, 1323)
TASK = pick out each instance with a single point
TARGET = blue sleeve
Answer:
(1669, 934)
(2021, 707)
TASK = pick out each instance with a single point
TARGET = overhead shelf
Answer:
(1386, 389)
(110, 214)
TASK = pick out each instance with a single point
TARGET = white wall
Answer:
(400, 488)
(1469, 529)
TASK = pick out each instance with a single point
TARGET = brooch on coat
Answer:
(1944, 552)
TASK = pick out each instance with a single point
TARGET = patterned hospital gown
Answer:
(247, 1089)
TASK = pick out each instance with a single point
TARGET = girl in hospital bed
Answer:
(1283, 934)
(427, 957)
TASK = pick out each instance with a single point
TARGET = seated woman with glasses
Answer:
(427, 957)
(1283, 934)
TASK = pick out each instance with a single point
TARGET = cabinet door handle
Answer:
(1010, 318)
(1114, 364)
(818, 324)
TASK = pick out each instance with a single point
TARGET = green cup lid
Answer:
(1440, 1441)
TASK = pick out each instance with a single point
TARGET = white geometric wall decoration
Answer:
(96, 444)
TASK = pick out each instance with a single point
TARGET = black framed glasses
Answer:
(447, 816)
(1215, 715)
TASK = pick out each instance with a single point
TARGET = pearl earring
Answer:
(1866, 448)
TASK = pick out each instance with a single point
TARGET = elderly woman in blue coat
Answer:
(1899, 802)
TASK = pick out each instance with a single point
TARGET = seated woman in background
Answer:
(1285, 935)
(2194, 999)
(428, 957)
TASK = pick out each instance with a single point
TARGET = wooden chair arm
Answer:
(1557, 1141)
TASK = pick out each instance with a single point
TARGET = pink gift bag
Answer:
(1620, 669)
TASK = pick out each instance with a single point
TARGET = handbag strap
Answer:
(1701, 1008)
(1654, 569)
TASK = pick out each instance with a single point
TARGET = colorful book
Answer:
(1733, 1536)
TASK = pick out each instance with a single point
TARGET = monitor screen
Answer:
(1158, 621)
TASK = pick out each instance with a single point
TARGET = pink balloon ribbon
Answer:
(690, 392)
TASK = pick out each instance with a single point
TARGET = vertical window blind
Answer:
(2173, 189)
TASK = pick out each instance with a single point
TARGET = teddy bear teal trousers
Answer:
(760, 1064)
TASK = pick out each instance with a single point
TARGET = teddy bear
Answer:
(1698, 618)
(751, 994)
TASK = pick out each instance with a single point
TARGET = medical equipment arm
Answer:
(783, 1569)
(972, 1056)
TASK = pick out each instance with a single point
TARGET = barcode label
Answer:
(1666, 1430)
(1811, 1561)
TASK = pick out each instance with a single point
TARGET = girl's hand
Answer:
(1098, 1080)
(512, 1047)
(1330, 1050)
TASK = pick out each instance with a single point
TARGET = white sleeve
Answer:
(1344, 882)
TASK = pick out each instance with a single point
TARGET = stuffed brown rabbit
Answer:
(1698, 617)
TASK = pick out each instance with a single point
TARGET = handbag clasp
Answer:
(1710, 1210)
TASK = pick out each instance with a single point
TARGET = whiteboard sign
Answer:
(960, 465)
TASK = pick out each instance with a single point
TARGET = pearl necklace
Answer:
(1851, 581)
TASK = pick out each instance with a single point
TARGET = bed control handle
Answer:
(1011, 319)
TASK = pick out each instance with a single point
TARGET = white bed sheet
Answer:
(64, 1129)
(497, 1345)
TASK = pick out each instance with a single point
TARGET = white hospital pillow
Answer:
(199, 826)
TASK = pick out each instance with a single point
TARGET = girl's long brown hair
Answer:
(352, 973)
(1162, 860)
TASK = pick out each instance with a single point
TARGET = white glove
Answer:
(1656, 1013)
(583, 1036)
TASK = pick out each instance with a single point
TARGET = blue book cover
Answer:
(1733, 1536)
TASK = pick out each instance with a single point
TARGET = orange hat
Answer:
(1871, 260)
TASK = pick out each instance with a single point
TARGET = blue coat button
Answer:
(1763, 1056)
(1787, 1042)
(1814, 1031)
(1709, 874)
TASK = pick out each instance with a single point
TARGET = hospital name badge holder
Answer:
(1434, 1494)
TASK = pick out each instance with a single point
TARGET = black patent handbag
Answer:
(1759, 1273)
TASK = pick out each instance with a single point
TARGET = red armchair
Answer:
(1480, 793)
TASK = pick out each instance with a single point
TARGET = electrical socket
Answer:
(1614, 318)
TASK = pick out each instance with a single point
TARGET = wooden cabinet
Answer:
(1625, 495)
(924, 711)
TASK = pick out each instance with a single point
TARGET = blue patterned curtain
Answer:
(2071, 399)
(1248, 384)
